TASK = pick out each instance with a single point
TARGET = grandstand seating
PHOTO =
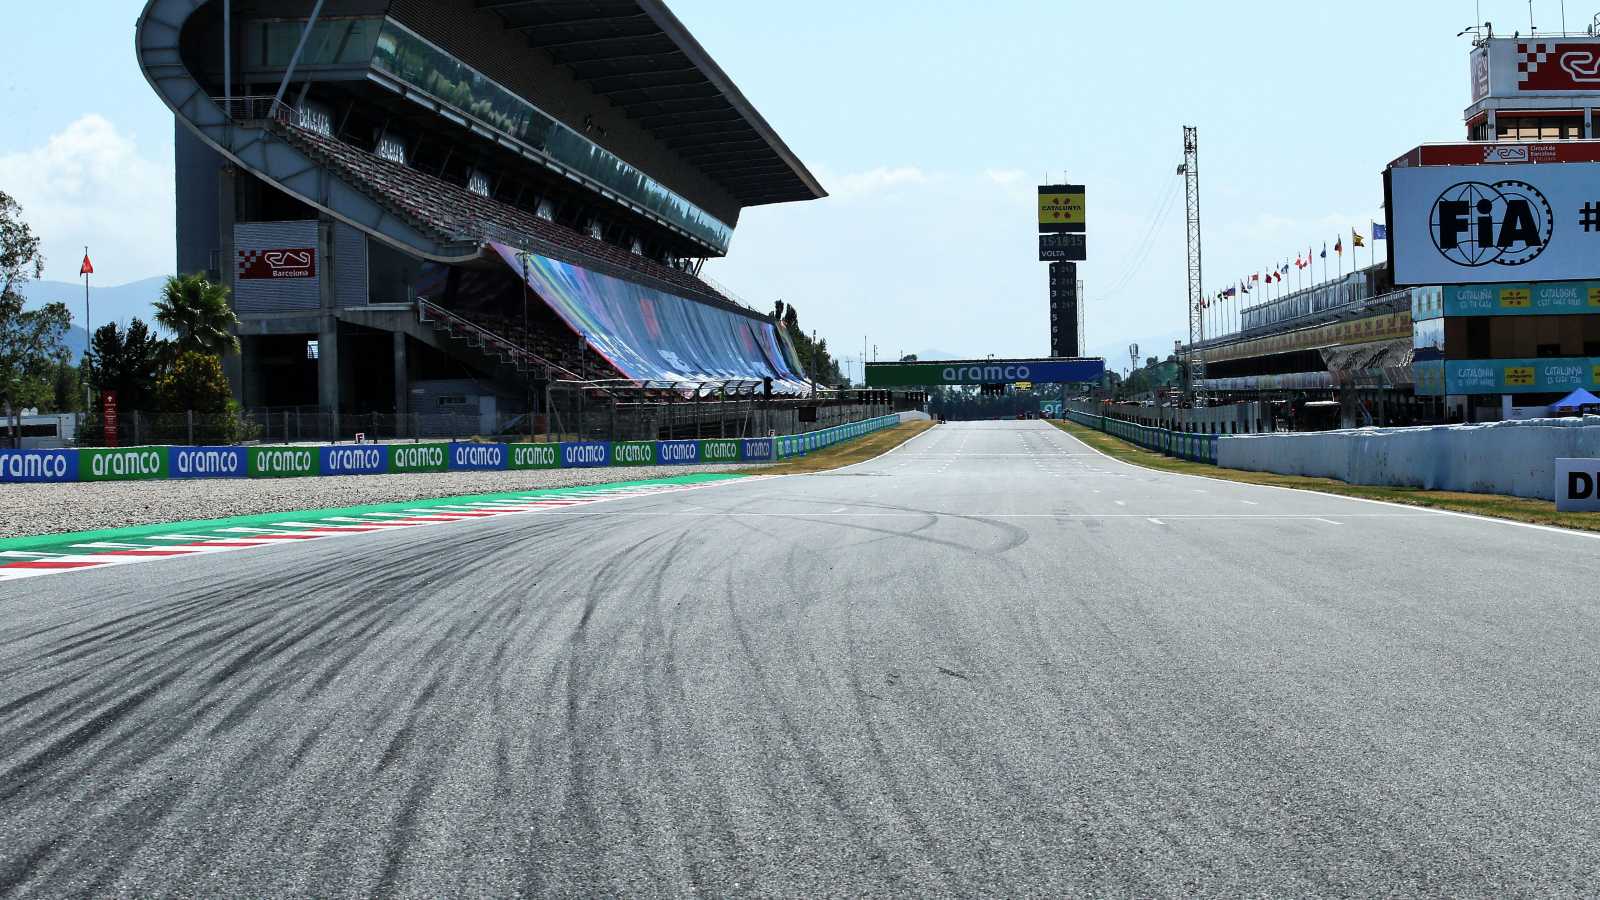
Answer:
(455, 213)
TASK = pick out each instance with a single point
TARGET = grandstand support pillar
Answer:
(402, 379)
(328, 372)
(233, 370)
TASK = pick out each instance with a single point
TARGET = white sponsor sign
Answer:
(1578, 485)
(1484, 224)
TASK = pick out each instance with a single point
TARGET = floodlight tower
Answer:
(1190, 170)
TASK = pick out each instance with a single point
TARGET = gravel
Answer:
(33, 509)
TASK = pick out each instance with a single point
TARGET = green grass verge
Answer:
(848, 453)
(1517, 509)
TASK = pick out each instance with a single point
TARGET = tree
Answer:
(20, 258)
(196, 311)
(195, 381)
(128, 362)
(30, 341)
(67, 385)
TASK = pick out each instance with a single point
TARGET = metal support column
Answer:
(1196, 368)
(300, 48)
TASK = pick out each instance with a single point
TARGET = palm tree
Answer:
(197, 313)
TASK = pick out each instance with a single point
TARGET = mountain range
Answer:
(120, 303)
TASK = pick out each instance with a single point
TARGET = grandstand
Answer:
(1346, 342)
(427, 205)
(1357, 351)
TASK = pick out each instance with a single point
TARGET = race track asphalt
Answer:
(992, 662)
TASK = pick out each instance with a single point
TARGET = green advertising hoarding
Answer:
(633, 453)
(419, 457)
(719, 451)
(283, 462)
(534, 456)
(122, 464)
(984, 371)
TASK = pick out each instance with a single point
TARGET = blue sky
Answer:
(931, 123)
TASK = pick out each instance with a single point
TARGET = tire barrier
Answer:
(1192, 447)
(290, 461)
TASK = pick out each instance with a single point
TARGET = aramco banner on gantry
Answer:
(984, 371)
(651, 335)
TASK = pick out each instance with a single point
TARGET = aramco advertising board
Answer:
(984, 371)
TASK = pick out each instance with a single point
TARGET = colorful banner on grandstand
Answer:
(650, 335)
(1506, 376)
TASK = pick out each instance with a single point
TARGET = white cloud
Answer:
(90, 185)
(873, 181)
(1004, 176)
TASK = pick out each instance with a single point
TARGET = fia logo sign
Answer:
(1507, 223)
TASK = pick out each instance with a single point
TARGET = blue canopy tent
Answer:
(1575, 401)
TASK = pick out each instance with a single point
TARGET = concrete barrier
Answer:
(1514, 458)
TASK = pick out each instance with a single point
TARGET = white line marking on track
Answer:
(1155, 521)
(1325, 521)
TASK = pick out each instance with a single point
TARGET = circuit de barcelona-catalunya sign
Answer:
(984, 371)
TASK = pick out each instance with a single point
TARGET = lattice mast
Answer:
(1196, 368)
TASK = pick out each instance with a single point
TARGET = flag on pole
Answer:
(1356, 239)
(1324, 250)
(1338, 246)
(1380, 232)
(88, 267)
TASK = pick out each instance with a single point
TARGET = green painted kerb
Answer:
(46, 542)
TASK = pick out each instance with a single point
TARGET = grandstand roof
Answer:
(637, 55)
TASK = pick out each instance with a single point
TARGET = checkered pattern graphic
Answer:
(1529, 58)
(1566, 66)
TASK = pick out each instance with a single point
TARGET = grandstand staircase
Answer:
(453, 331)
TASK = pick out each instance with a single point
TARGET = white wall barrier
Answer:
(1515, 458)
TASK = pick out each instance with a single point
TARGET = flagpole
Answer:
(88, 334)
